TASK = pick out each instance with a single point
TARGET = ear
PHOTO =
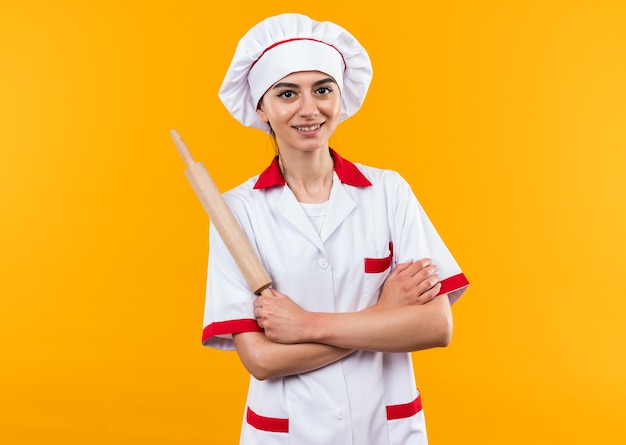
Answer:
(262, 115)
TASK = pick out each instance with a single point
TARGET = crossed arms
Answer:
(409, 316)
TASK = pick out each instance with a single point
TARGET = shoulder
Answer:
(242, 196)
(388, 186)
(381, 177)
(243, 189)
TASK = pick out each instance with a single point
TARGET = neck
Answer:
(309, 175)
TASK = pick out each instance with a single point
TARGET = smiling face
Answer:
(303, 110)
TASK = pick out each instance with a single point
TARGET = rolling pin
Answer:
(225, 223)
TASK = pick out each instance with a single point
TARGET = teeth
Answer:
(315, 127)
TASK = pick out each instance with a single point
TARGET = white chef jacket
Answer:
(373, 221)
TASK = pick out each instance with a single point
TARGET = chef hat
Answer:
(289, 43)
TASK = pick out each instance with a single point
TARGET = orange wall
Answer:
(508, 118)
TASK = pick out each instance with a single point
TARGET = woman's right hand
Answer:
(413, 282)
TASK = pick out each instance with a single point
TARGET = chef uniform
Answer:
(371, 222)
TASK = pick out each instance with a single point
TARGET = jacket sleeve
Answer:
(229, 305)
(416, 237)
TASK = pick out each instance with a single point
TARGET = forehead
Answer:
(304, 78)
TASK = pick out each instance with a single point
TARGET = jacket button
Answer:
(323, 263)
(340, 414)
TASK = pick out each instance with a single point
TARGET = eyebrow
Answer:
(295, 85)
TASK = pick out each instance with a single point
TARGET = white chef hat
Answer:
(289, 43)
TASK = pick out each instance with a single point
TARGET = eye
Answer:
(287, 94)
(323, 91)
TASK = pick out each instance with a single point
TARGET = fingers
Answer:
(423, 270)
(401, 267)
(268, 309)
(260, 306)
(426, 279)
(431, 293)
(258, 312)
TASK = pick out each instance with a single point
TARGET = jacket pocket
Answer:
(406, 423)
(404, 410)
(379, 265)
(270, 424)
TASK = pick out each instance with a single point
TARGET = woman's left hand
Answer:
(414, 282)
(281, 318)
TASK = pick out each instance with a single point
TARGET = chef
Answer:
(361, 277)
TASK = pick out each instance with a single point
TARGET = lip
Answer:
(308, 128)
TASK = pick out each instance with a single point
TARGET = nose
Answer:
(308, 106)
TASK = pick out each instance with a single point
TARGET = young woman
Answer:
(329, 352)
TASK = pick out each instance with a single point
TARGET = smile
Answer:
(312, 128)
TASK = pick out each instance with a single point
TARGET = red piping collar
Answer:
(347, 172)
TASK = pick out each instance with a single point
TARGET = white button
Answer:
(323, 263)
(340, 414)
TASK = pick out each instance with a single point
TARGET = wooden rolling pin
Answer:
(225, 223)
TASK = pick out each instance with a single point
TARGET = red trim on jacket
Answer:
(230, 327)
(278, 425)
(405, 410)
(379, 265)
(453, 283)
(347, 172)
(272, 424)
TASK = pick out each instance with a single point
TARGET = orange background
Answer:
(508, 118)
